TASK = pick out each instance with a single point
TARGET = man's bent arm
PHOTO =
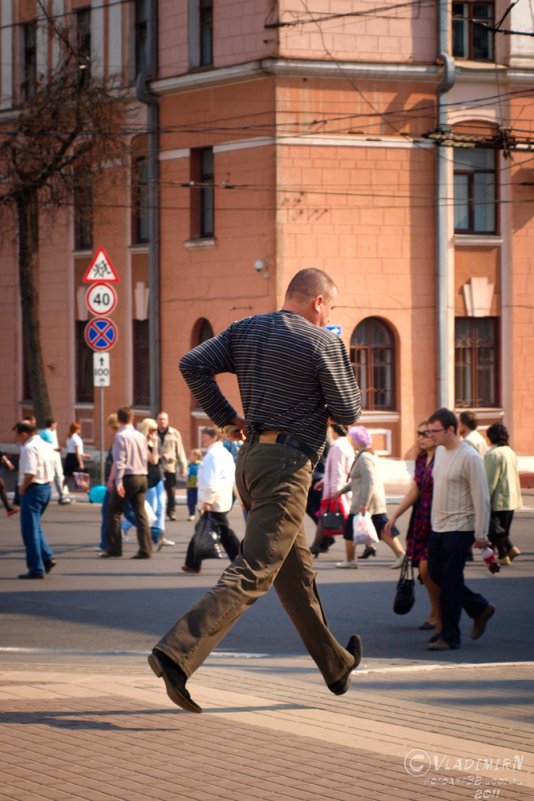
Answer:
(199, 367)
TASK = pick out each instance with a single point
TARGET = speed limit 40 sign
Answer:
(100, 299)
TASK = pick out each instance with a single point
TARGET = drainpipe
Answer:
(145, 95)
(445, 395)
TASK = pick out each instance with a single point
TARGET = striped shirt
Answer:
(292, 376)
(460, 498)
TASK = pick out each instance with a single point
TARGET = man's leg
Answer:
(30, 511)
(455, 547)
(170, 484)
(273, 482)
(113, 524)
(45, 494)
(296, 587)
(135, 488)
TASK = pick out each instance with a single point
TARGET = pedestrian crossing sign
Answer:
(101, 269)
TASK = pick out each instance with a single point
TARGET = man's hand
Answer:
(481, 543)
(120, 490)
(235, 430)
(206, 507)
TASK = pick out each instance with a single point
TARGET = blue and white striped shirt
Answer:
(292, 376)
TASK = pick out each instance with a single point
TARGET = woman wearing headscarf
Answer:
(368, 495)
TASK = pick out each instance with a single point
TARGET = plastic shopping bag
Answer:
(363, 530)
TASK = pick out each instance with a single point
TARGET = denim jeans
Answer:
(32, 506)
(273, 482)
(447, 552)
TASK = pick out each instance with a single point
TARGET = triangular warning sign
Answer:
(101, 269)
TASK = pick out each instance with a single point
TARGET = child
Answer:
(195, 457)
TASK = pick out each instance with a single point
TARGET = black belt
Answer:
(273, 437)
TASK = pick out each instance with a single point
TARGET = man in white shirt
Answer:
(36, 472)
(460, 518)
(467, 428)
(49, 434)
(216, 478)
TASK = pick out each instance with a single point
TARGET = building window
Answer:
(372, 353)
(206, 32)
(202, 193)
(470, 38)
(141, 372)
(140, 35)
(475, 191)
(140, 201)
(83, 44)
(202, 331)
(83, 210)
(84, 366)
(29, 44)
(476, 362)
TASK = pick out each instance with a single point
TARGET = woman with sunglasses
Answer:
(419, 497)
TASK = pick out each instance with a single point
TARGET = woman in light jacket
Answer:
(505, 491)
(368, 495)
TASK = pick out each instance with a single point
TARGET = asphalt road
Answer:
(91, 605)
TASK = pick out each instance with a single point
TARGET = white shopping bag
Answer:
(363, 530)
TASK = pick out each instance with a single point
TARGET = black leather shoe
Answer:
(49, 564)
(174, 679)
(354, 647)
(369, 551)
(141, 556)
(105, 555)
(31, 576)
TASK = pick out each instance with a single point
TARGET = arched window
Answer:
(372, 352)
(202, 330)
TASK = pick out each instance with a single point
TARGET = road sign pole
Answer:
(101, 434)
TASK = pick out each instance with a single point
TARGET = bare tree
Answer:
(71, 125)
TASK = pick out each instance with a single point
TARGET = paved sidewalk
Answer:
(102, 729)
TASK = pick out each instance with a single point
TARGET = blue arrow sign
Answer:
(101, 333)
(336, 329)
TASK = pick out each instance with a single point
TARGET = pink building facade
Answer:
(347, 136)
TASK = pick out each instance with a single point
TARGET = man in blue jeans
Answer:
(460, 519)
(294, 375)
(36, 473)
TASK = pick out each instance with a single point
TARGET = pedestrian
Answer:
(75, 453)
(36, 471)
(6, 462)
(305, 377)
(155, 494)
(109, 472)
(49, 434)
(504, 489)
(468, 429)
(216, 478)
(130, 461)
(172, 456)
(195, 459)
(419, 497)
(337, 468)
(368, 495)
(460, 519)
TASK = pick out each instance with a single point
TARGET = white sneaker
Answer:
(348, 565)
(165, 541)
(191, 517)
(398, 562)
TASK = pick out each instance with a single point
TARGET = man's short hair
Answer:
(309, 283)
(49, 421)
(23, 427)
(124, 414)
(468, 419)
(498, 434)
(445, 417)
